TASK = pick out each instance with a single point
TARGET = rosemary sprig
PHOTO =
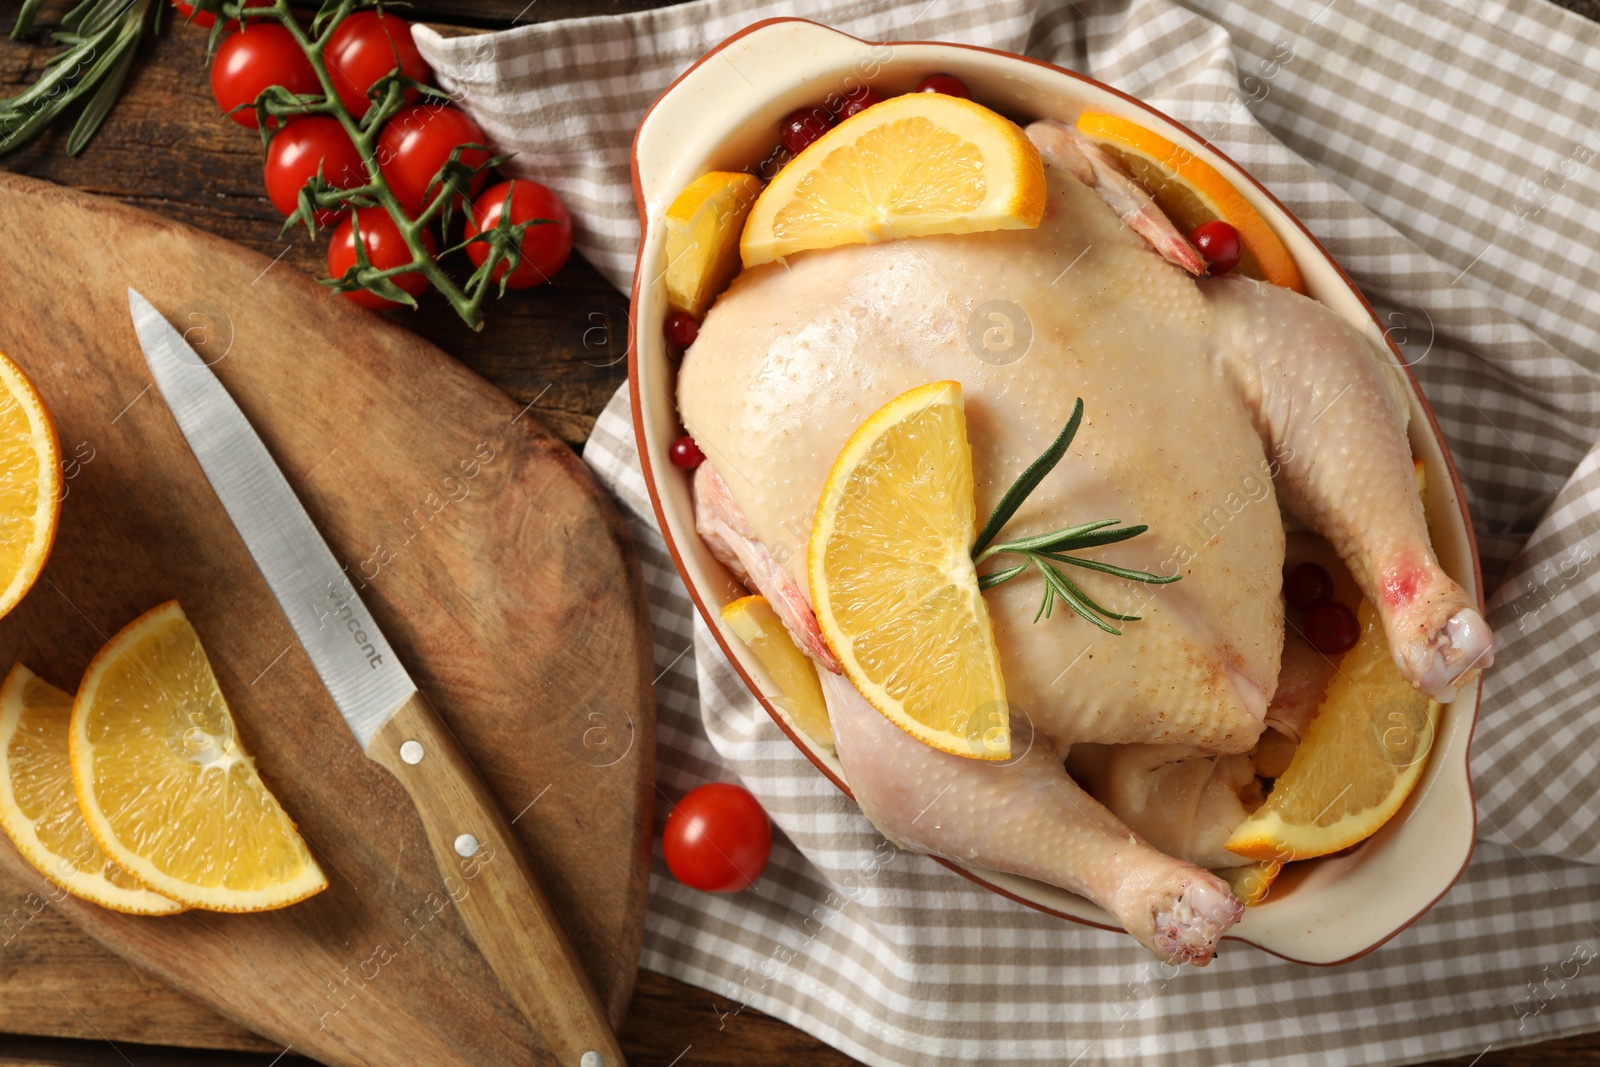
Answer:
(1043, 551)
(101, 38)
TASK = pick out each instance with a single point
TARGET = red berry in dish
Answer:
(717, 839)
(1330, 627)
(367, 46)
(298, 150)
(857, 100)
(1219, 243)
(545, 246)
(1306, 585)
(681, 329)
(948, 84)
(258, 56)
(685, 454)
(799, 128)
(385, 248)
(418, 141)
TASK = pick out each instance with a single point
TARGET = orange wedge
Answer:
(1191, 191)
(1252, 882)
(911, 166)
(165, 783)
(38, 808)
(1358, 761)
(30, 484)
(892, 579)
(702, 237)
(799, 694)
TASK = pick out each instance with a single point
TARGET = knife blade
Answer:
(511, 921)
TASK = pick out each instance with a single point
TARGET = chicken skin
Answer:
(1210, 403)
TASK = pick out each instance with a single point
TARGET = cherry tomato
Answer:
(294, 155)
(1306, 585)
(799, 128)
(717, 839)
(948, 84)
(1331, 627)
(418, 141)
(545, 247)
(385, 249)
(259, 55)
(858, 100)
(685, 454)
(367, 46)
(205, 19)
(681, 329)
(1219, 243)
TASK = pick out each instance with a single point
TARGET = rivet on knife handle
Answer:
(506, 912)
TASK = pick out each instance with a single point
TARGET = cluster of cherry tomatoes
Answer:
(410, 150)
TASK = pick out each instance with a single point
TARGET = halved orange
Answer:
(1192, 191)
(911, 166)
(30, 484)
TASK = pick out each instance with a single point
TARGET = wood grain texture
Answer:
(504, 908)
(500, 572)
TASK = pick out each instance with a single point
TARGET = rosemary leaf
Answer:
(1040, 542)
(1057, 583)
(1107, 568)
(105, 97)
(994, 578)
(25, 16)
(1029, 480)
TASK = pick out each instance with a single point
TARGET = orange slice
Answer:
(164, 781)
(1252, 882)
(1358, 761)
(1191, 191)
(30, 484)
(892, 579)
(38, 808)
(911, 166)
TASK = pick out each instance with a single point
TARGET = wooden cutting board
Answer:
(500, 572)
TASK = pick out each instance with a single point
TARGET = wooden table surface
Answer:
(166, 149)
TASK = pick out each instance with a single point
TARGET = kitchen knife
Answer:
(505, 910)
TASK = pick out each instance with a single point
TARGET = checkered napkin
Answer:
(1449, 157)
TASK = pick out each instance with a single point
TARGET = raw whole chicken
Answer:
(1211, 403)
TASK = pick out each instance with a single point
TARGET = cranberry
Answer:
(681, 329)
(800, 128)
(1330, 627)
(948, 84)
(1306, 585)
(858, 100)
(686, 454)
(1219, 243)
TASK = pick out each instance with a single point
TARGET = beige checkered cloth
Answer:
(1449, 157)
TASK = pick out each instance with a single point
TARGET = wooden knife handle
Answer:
(505, 909)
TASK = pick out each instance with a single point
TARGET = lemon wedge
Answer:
(911, 166)
(165, 783)
(38, 808)
(892, 579)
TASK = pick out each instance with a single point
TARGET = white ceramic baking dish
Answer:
(723, 113)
